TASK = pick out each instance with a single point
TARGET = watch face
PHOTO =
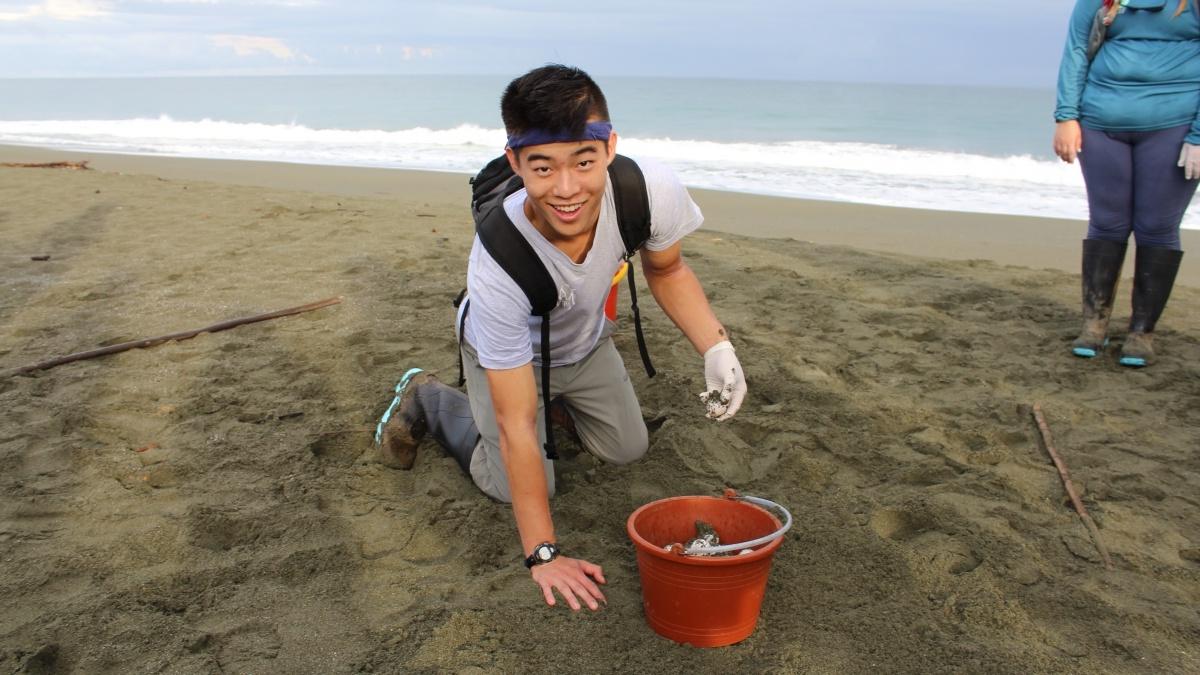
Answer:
(544, 553)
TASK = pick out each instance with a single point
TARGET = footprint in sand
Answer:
(946, 554)
(250, 646)
(342, 447)
(898, 524)
(930, 547)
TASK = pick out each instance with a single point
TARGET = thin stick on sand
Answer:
(1066, 479)
(48, 165)
(150, 342)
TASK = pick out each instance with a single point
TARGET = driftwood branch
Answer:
(82, 166)
(150, 342)
(1066, 479)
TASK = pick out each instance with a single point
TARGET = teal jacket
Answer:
(1146, 75)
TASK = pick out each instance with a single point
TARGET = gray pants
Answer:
(599, 397)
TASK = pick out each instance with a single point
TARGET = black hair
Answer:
(555, 98)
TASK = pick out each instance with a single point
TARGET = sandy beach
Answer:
(215, 504)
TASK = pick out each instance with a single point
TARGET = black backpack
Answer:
(516, 256)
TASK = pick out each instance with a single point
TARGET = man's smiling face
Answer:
(565, 185)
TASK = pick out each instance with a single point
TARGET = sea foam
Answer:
(842, 171)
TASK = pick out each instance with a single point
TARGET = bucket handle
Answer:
(729, 548)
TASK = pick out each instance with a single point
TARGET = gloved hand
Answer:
(1189, 159)
(724, 381)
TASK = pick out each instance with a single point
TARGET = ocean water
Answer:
(955, 148)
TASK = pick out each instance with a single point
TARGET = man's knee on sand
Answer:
(632, 455)
(624, 447)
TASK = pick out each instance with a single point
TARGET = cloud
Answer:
(60, 10)
(249, 45)
(409, 52)
(247, 3)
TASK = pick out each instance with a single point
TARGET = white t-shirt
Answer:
(499, 325)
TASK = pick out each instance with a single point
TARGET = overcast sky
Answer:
(1003, 42)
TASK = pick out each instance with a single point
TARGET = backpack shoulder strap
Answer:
(518, 259)
(515, 255)
(633, 219)
(632, 202)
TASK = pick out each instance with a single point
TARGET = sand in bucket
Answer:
(706, 601)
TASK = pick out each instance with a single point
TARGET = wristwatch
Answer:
(542, 554)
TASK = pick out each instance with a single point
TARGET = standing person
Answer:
(560, 143)
(1128, 96)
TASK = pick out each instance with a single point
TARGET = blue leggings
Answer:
(1134, 184)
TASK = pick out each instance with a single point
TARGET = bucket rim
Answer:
(644, 546)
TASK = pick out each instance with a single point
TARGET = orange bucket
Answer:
(706, 601)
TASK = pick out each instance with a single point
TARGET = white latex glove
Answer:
(724, 381)
(1189, 159)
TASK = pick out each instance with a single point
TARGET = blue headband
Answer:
(594, 131)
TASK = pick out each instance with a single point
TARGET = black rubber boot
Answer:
(1153, 279)
(1102, 262)
(429, 407)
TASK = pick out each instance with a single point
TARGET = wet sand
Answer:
(1028, 242)
(214, 505)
